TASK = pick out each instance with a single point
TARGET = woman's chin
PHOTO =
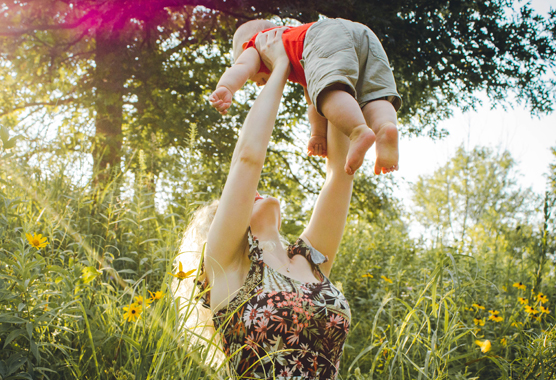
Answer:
(265, 212)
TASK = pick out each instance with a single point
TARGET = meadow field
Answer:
(108, 145)
(85, 280)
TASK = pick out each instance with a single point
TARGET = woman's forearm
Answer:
(257, 128)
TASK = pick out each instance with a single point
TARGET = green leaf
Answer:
(89, 274)
(14, 363)
(131, 271)
(29, 327)
(35, 351)
(4, 134)
(14, 334)
(7, 318)
(10, 143)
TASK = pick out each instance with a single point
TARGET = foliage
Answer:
(442, 53)
(421, 310)
(95, 302)
(474, 193)
(65, 306)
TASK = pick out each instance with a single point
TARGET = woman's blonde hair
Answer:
(196, 319)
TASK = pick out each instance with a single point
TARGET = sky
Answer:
(527, 138)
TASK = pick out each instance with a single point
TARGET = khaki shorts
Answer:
(346, 52)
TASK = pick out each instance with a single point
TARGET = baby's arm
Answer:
(317, 142)
(234, 78)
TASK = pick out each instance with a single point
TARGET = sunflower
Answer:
(181, 275)
(132, 313)
(36, 241)
(485, 346)
(519, 285)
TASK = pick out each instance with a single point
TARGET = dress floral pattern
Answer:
(278, 327)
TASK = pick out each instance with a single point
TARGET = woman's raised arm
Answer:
(226, 238)
(326, 227)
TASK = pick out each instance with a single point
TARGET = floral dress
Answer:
(278, 327)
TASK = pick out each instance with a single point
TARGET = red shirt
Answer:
(293, 39)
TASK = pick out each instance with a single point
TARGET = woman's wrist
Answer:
(282, 66)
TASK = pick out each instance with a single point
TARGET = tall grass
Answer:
(62, 306)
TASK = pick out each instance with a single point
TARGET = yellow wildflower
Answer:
(140, 301)
(496, 318)
(503, 342)
(132, 313)
(181, 275)
(387, 279)
(367, 275)
(480, 322)
(542, 297)
(36, 241)
(517, 324)
(156, 296)
(478, 306)
(485, 346)
(504, 288)
(519, 285)
(523, 301)
(529, 309)
(544, 310)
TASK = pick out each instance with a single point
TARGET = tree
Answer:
(475, 190)
(127, 75)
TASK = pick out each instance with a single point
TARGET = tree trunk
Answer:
(109, 84)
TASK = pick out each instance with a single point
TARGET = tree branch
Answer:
(279, 154)
(16, 32)
(36, 104)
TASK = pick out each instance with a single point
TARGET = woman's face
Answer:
(266, 211)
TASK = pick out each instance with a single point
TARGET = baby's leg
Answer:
(381, 117)
(319, 125)
(343, 111)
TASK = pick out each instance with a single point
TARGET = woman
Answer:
(278, 314)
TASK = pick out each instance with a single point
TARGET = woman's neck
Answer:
(269, 233)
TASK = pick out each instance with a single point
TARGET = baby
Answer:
(346, 77)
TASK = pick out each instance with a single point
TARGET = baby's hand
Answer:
(317, 146)
(221, 99)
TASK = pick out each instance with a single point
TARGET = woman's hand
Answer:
(271, 48)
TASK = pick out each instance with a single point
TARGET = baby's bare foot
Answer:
(386, 149)
(360, 140)
(317, 146)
